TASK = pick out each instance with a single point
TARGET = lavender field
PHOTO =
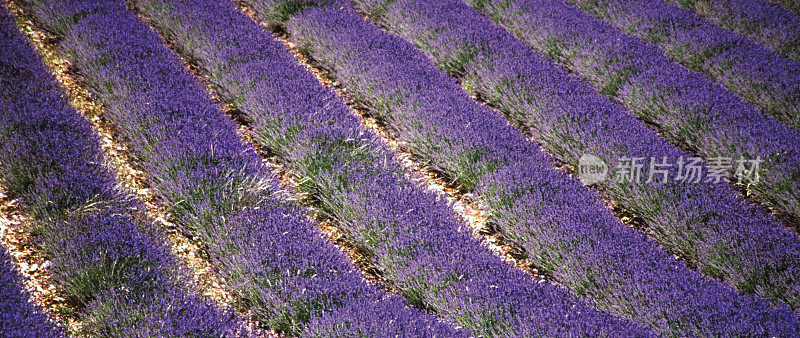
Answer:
(399, 168)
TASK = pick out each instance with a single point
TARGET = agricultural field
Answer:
(399, 168)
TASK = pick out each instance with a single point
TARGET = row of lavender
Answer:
(690, 110)
(563, 227)
(761, 20)
(278, 266)
(414, 240)
(19, 317)
(115, 271)
(703, 222)
(758, 75)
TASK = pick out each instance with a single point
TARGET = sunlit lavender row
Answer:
(113, 269)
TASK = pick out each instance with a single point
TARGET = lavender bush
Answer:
(562, 226)
(754, 73)
(413, 239)
(704, 223)
(102, 255)
(18, 316)
(276, 263)
(761, 20)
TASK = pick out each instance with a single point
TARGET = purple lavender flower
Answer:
(562, 226)
(754, 73)
(105, 260)
(570, 119)
(276, 263)
(18, 316)
(763, 21)
(792, 5)
(412, 239)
